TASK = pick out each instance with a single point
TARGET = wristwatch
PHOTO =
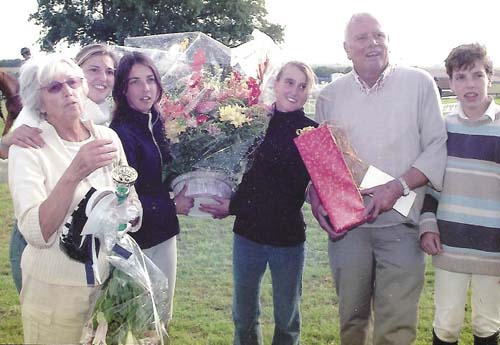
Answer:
(406, 189)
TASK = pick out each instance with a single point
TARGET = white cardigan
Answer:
(33, 173)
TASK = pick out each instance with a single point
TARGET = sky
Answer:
(421, 32)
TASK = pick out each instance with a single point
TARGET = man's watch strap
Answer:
(406, 189)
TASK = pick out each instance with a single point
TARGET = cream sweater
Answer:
(33, 173)
(393, 128)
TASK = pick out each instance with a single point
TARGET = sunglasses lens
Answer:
(54, 87)
(74, 83)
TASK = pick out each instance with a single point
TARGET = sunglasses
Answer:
(56, 86)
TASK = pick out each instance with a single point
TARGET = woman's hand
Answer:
(182, 202)
(219, 210)
(92, 156)
(24, 136)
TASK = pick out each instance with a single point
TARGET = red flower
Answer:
(200, 119)
(262, 69)
(254, 91)
(236, 75)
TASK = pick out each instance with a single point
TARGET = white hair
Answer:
(355, 17)
(41, 71)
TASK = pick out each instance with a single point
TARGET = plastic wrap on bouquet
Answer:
(134, 298)
(263, 52)
(184, 45)
(211, 106)
(133, 305)
(211, 110)
(331, 177)
(173, 54)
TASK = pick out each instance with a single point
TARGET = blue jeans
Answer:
(17, 245)
(286, 264)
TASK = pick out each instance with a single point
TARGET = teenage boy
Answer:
(461, 226)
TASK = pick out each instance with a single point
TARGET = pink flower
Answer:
(199, 59)
(205, 107)
(214, 130)
(171, 109)
(237, 75)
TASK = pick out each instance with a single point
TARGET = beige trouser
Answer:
(54, 314)
(379, 274)
(450, 298)
(164, 255)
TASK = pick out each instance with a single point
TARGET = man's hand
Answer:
(383, 198)
(430, 243)
(321, 215)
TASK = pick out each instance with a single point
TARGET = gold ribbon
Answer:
(301, 131)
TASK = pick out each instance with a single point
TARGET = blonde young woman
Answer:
(269, 228)
(98, 63)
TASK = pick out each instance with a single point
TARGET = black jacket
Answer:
(269, 199)
(146, 150)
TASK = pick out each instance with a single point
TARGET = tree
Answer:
(84, 21)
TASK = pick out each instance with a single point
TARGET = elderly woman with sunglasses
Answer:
(47, 184)
(98, 63)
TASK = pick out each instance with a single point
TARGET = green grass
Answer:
(202, 307)
(10, 320)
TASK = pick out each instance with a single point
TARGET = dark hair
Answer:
(122, 75)
(466, 56)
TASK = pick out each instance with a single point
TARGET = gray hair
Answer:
(355, 17)
(41, 71)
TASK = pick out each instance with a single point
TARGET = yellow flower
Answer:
(173, 129)
(233, 114)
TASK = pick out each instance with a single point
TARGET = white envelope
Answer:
(375, 177)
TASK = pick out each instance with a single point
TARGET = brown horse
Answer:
(10, 88)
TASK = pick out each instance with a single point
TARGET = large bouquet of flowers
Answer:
(212, 117)
(211, 107)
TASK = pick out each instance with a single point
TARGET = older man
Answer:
(392, 117)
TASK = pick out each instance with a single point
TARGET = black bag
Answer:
(70, 241)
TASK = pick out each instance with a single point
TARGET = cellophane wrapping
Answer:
(214, 103)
